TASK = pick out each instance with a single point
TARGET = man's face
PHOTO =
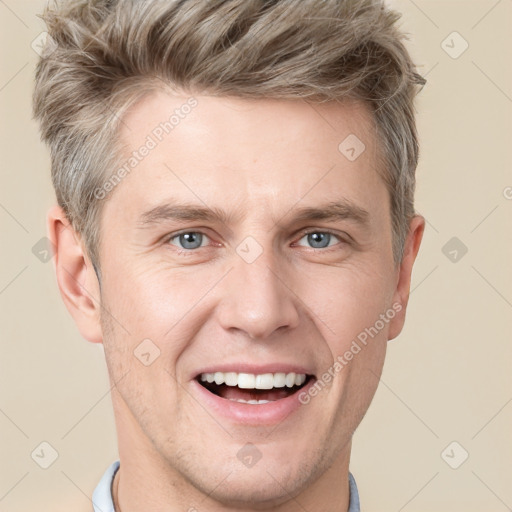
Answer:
(263, 290)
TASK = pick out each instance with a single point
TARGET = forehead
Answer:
(263, 154)
(264, 122)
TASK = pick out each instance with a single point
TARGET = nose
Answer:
(258, 298)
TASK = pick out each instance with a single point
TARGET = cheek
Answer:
(359, 381)
(349, 301)
(144, 312)
(153, 301)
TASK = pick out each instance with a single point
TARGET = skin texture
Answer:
(259, 160)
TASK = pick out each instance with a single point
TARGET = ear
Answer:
(76, 278)
(401, 295)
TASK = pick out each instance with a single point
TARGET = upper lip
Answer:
(253, 368)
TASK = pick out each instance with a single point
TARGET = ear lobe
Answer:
(77, 281)
(401, 295)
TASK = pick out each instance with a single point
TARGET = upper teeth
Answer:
(252, 381)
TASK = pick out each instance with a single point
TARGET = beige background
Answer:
(447, 377)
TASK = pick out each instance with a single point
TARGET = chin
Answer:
(264, 486)
(259, 490)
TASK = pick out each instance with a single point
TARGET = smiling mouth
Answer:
(253, 388)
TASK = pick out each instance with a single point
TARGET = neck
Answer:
(115, 486)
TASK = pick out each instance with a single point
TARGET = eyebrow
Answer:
(171, 210)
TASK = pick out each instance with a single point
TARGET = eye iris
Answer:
(319, 238)
(190, 240)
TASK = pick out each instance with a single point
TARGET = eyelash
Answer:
(303, 234)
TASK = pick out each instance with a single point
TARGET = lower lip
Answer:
(269, 413)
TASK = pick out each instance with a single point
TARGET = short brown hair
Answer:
(106, 54)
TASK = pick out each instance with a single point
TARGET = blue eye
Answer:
(320, 239)
(189, 240)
